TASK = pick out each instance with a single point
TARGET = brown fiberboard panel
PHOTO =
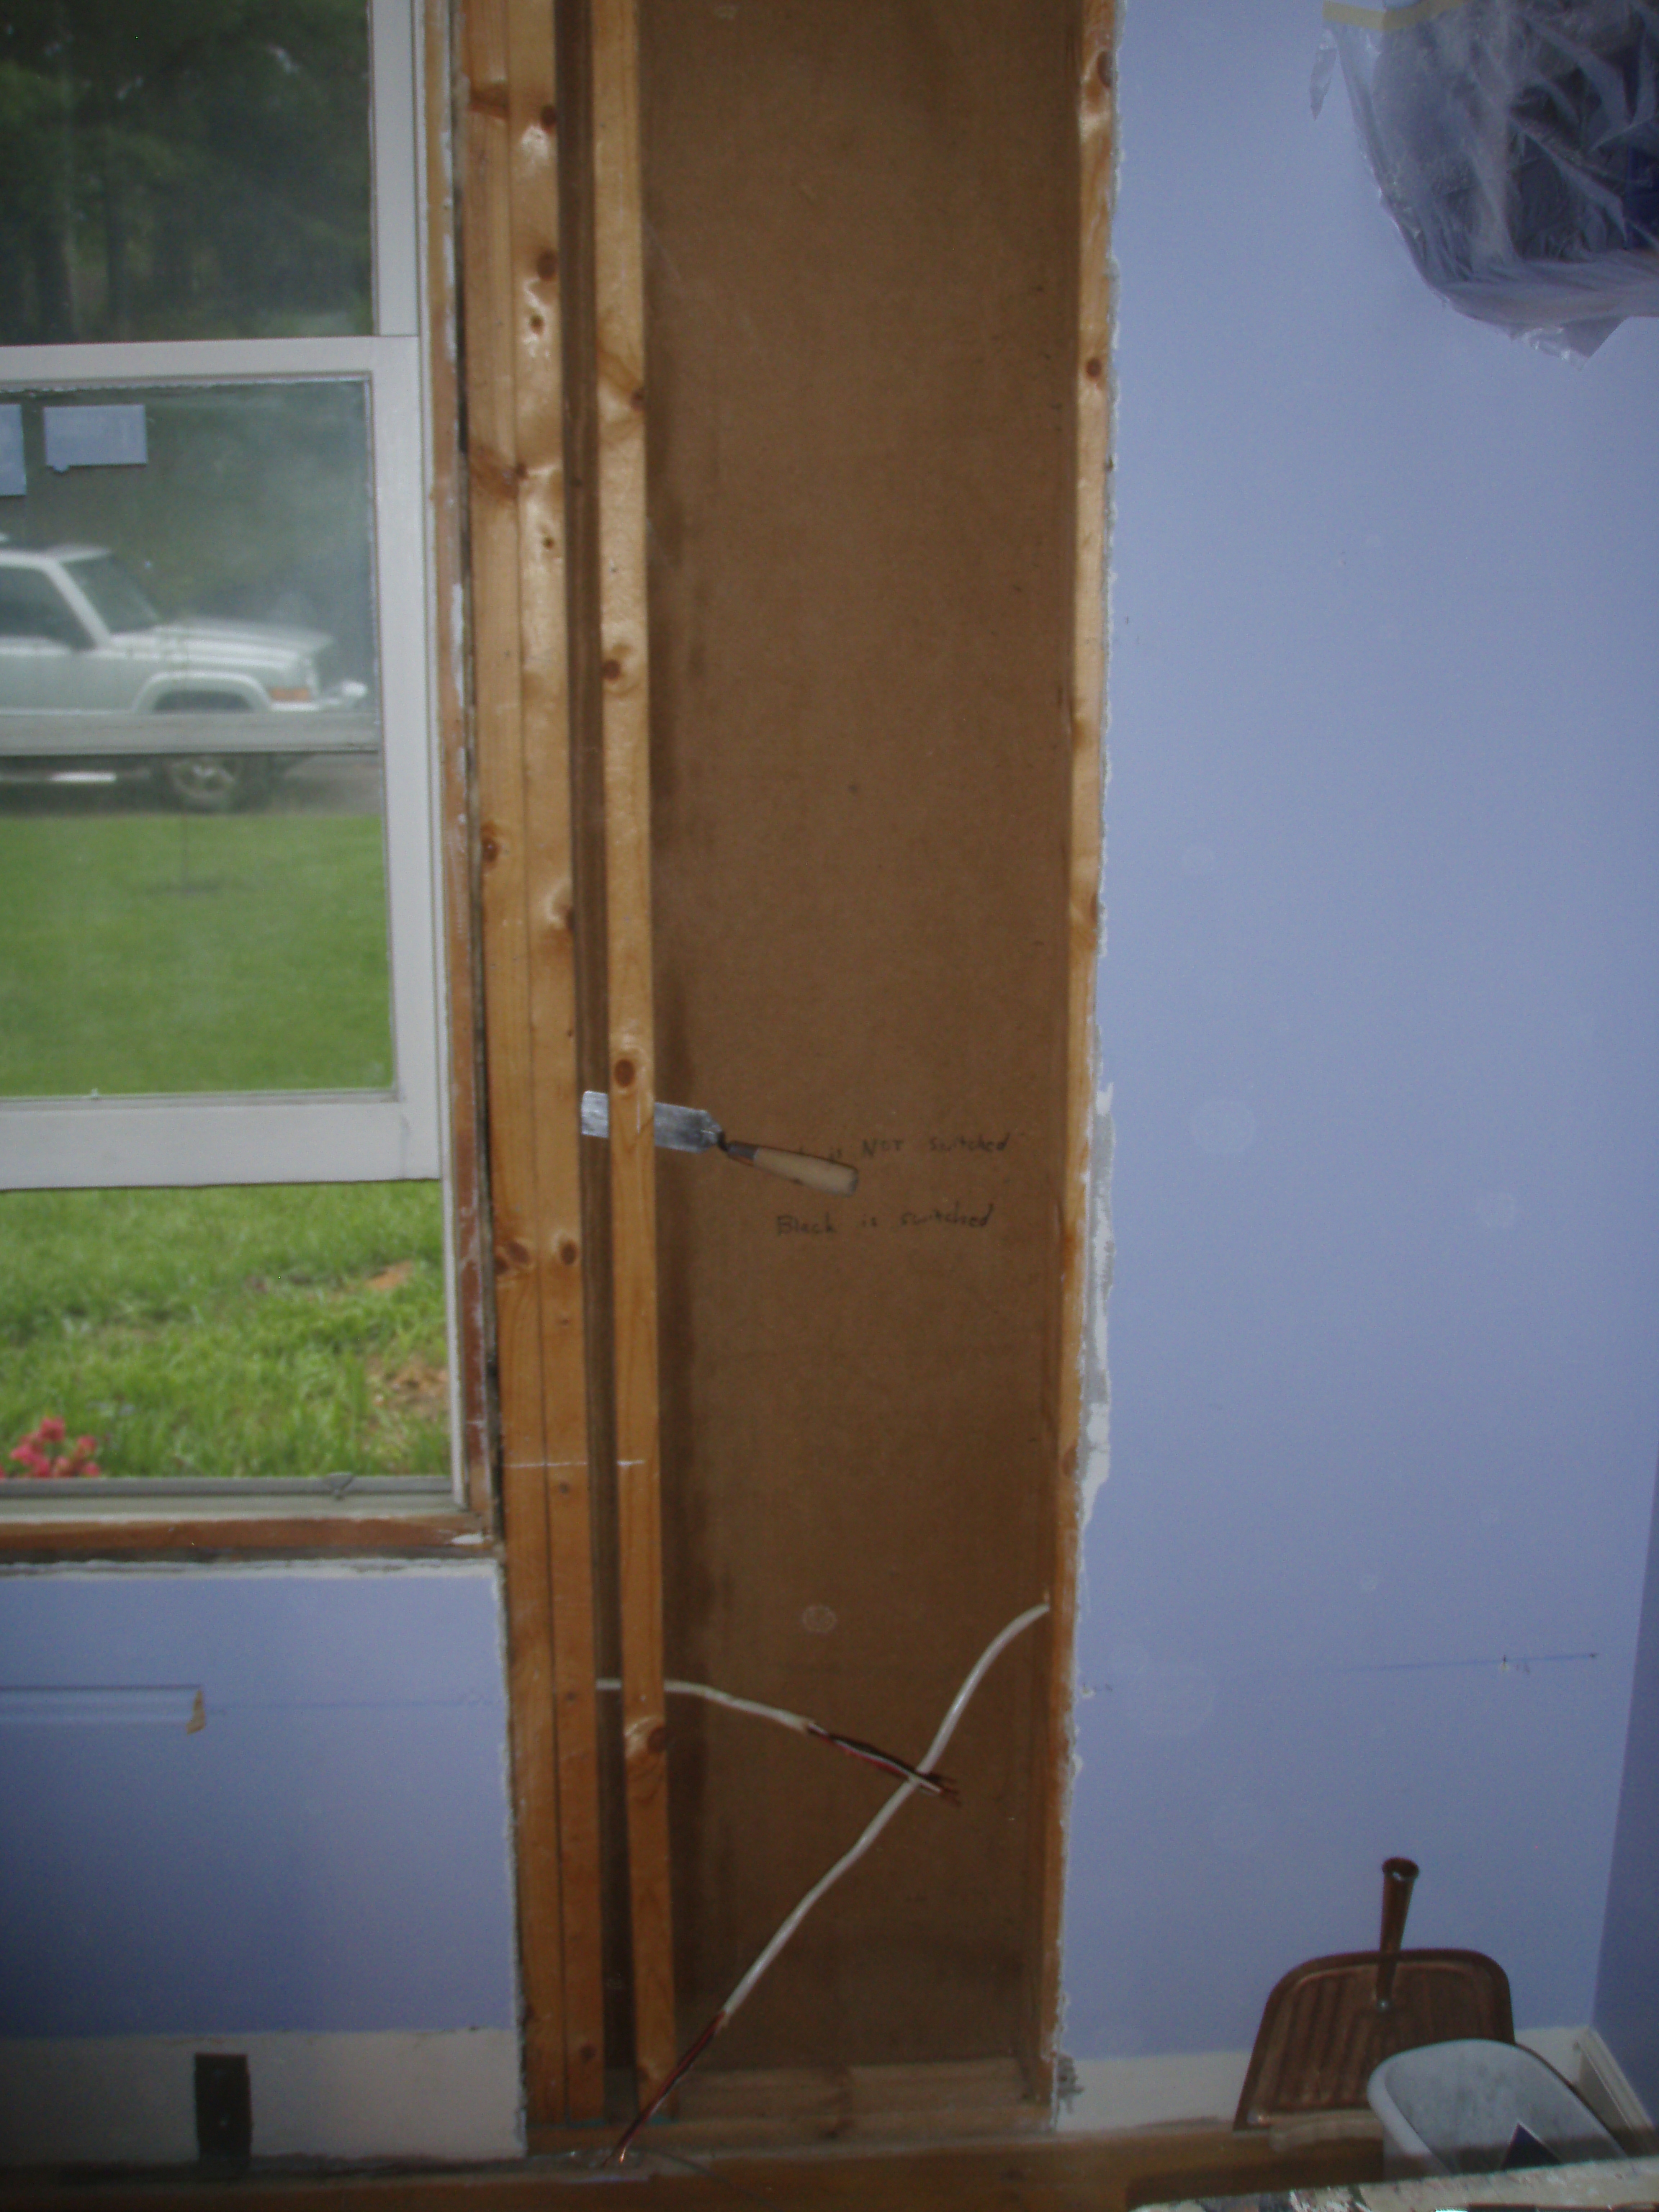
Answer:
(861, 252)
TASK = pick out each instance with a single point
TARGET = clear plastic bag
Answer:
(1516, 144)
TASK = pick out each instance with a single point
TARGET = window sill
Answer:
(414, 1516)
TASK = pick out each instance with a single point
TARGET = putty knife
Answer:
(688, 1129)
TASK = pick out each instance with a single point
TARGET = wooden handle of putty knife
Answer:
(1398, 1876)
(840, 1181)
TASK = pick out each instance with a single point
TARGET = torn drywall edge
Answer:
(1097, 1379)
(1097, 1391)
(1093, 1380)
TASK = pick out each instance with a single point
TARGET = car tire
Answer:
(216, 783)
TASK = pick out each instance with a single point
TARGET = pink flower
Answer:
(55, 1466)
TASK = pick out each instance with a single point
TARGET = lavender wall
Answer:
(1380, 1018)
(330, 1851)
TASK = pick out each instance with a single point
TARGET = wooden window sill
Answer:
(45, 1521)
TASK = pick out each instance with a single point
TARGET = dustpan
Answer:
(1330, 2022)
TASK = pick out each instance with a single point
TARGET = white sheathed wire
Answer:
(986, 1658)
(799, 1722)
(919, 1779)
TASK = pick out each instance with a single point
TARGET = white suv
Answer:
(92, 680)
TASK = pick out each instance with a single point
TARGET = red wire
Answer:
(677, 2073)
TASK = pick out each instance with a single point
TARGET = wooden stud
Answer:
(620, 307)
(551, 979)
(492, 435)
(454, 800)
(1095, 117)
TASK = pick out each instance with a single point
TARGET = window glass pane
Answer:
(183, 169)
(257, 1331)
(190, 752)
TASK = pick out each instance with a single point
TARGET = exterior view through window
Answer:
(221, 1247)
(199, 169)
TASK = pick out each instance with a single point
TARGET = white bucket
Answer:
(1453, 2108)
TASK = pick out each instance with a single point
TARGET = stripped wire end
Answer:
(936, 1785)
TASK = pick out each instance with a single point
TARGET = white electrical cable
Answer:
(987, 1658)
(958, 1705)
(936, 1785)
(799, 1722)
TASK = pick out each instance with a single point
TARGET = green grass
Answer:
(295, 1331)
(152, 953)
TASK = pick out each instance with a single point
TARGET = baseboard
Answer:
(1102, 2096)
(130, 2101)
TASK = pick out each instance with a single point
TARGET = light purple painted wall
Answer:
(330, 1852)
(1380, 1014)
(1627, 1984)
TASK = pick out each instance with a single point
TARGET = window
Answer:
(218, 971)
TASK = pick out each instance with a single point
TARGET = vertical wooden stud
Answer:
(522, 708)
(1095, 117)
(454, 802)
(498, 737)
(549, 904)
(620, 307)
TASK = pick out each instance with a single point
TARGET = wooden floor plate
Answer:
(1102, 2173)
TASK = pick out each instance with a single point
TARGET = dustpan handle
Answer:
(1398, 1876)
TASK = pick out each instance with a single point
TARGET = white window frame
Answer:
(306, 1136)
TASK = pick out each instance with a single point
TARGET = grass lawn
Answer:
(266, 1331)
(154, 953)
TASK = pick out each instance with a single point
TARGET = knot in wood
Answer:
(1091, 368)
(512, 1255)
(547, 266)
(611, 671)
(624, 1072)
(568, 1252)
(549, 118)
(491, 473)
(490, 845)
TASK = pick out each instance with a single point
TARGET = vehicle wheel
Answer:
(216, 783)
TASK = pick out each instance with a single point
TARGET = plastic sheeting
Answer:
(1516, 144)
